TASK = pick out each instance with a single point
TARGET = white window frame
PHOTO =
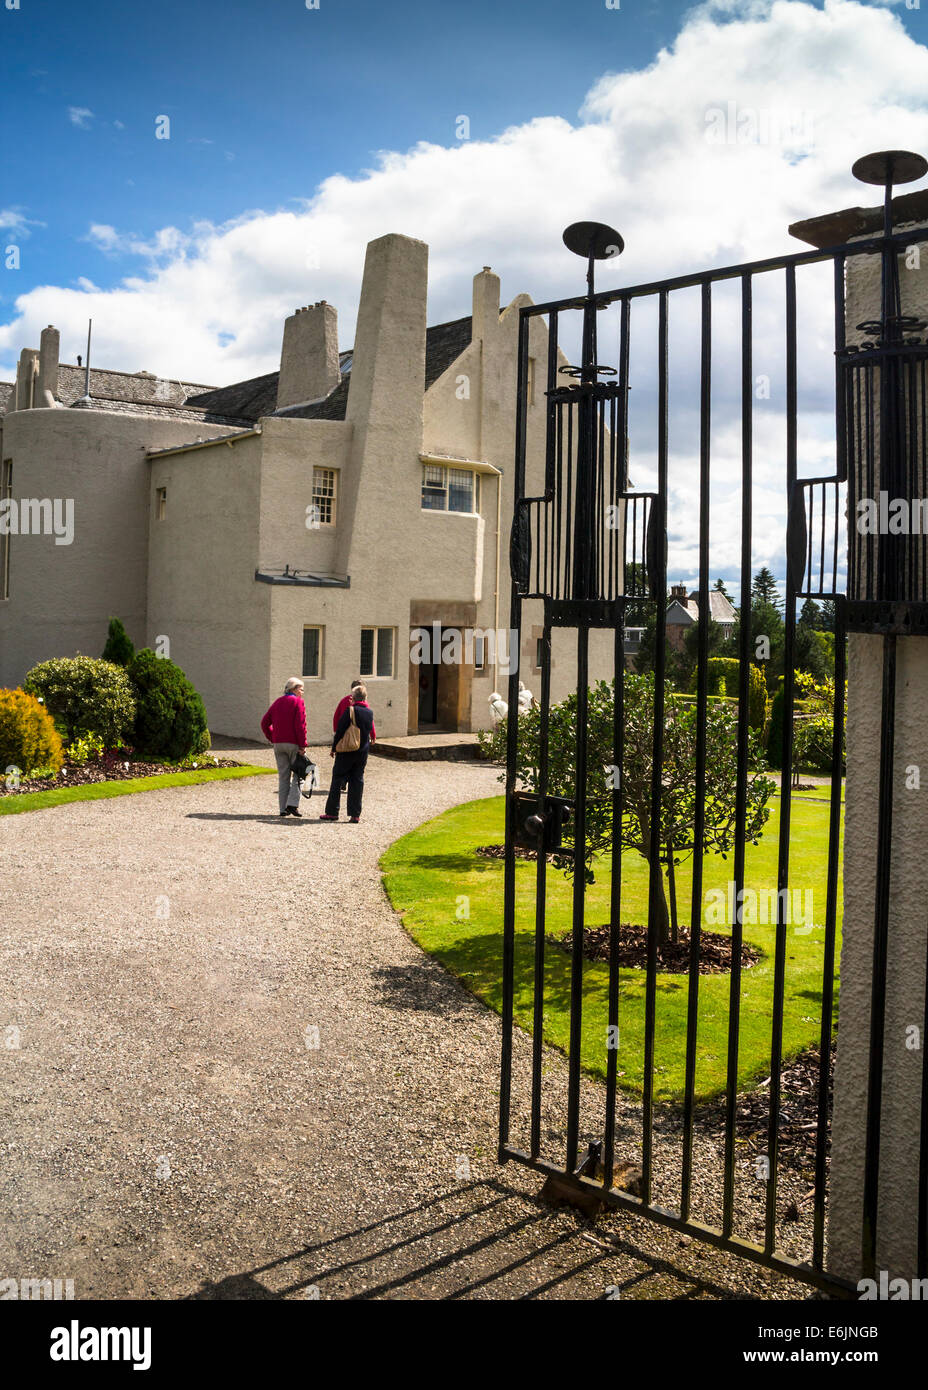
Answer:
(480, 654)
(446, 470)
(322, 496)
(316, 627)
(161, 503)
(371, 675)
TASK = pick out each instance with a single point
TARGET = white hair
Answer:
(294, 683)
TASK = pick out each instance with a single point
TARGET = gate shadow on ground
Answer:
(492, 1223)
(422, 988)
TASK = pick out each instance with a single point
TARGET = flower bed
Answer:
(115, 765)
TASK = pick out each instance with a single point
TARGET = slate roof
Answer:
(720, 609)
(161, 412)
(248, 400)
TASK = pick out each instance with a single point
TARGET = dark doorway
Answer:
(428, 694)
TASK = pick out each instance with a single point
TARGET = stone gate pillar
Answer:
(907, 939)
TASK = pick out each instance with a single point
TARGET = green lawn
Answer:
(427, 872)
(99, 791)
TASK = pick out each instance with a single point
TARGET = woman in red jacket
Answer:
(284, 726)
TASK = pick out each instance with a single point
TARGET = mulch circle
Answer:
(106, 769)
(674, 957)
(798, 1123)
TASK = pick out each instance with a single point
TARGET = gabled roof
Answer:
(249, 400)
(685, 612)
(678, 614)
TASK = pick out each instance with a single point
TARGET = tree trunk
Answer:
(672, 884)
(662, 916)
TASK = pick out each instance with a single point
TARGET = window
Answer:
(449, 489)
(377, 645)
(6, 491)
(324, 493)
(161, 503)
(539, 653)
(480, 653)
(312, 653)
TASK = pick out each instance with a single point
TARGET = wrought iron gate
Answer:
(587, 546)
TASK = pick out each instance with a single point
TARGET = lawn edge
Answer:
(103, 791)
(632, 1091)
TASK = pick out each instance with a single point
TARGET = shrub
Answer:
(757, 700)
(170, 719)
(721, 674)
(119, 648)
(722, 680)
(28, 737)
(85, 696)
(82, 750)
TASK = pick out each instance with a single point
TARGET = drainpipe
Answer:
(499, 517)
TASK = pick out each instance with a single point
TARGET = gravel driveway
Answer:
(237, 1077)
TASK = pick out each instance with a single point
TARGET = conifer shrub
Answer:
(119, 648)
(170, 720)
(28, 737)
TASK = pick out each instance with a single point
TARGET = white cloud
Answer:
(748, 122)
(167, 241)
(14, 220)
(80, 116)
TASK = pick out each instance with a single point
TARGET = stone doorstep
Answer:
(419, 747)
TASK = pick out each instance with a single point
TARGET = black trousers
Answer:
(348, 767)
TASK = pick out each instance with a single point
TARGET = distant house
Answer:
(683, 613)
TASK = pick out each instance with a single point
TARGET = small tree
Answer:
(119, 648)
(171, 718)
(85, 696)
(678, 791)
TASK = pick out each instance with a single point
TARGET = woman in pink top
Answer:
(284, 725)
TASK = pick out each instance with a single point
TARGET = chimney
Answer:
(309, 356)
(678, 591)
(26, 373)
(485, 305)
(48, 366)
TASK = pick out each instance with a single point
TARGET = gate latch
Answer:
(540, 829)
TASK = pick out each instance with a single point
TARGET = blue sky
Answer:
(297, 136)
(266, 100)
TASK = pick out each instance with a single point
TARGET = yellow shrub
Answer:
(28, 737)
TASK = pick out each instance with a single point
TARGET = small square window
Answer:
(378, 646)
(450, 489)
(312, 653)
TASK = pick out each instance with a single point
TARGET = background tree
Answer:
(636, 581)
(764, 589)
(678, 793)
(119, 649)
